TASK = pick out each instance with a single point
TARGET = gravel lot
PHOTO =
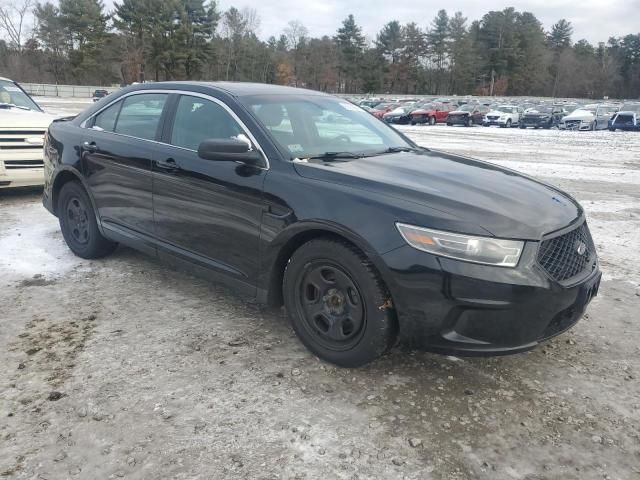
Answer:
(124, 368)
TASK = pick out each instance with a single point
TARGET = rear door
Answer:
(117, 150)
(207, 211)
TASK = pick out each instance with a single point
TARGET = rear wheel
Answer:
(79, 225)
(337, 303)
(469, 122)
(432, 120)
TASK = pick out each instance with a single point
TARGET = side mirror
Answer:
(229, 150)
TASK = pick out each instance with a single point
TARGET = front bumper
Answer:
(458, 120)
(536, 122)
(461, 308)
(487, 122)
(578, 126)
(21, 177)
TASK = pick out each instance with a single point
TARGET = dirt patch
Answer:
(37, 280)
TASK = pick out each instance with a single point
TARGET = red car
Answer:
(432, 113)
(383, 108)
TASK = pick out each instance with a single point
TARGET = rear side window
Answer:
(106, 120)
(140, 115)
(198, 119)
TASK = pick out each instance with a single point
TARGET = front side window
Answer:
(140, 115)
(313, 125)
(198, 119)
(106, 119)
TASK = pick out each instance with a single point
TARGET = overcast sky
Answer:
(595, 20)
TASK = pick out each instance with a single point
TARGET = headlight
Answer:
(487, 250)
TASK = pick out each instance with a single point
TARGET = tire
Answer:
(79, 225)
(594, 126)
(432, 121)
(522, 127)
(469, 122)
(337, 303)
(413, 123)
(449, 124)
(508, 124)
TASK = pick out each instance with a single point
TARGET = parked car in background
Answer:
(505, 116)
(383, 108)
(544, 116)
(468, 115)
(627, 118)
(400, 115)
(432, 113)
(99, 94)
(589, 117)
(22, 128)
(440, 252)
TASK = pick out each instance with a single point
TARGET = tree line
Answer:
(505, 52)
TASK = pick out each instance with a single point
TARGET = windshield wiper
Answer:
(330, 156)
(13, 105)
(397, 150)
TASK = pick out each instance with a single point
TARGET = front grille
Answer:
(21, 149)
(493, 117)
(572, 123)
(567, 256)
(18, 164)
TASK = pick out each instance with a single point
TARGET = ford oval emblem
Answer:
(581, 247)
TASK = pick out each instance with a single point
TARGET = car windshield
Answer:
(468, 108)
(11, 94)
(313, 125)
(542, 109)
(631, 107)
(505, 109)
(591, 109)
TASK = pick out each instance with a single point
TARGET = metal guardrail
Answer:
(51, 90)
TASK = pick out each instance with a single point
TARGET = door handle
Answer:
(169, 165)
(90, 146)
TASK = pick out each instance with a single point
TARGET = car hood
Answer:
(18, 118)
(500, 201)
(496, 113)
(459, 112)
(580, 115)
(537, 114)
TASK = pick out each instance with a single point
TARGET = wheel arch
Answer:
(293, 240)
(65, 175)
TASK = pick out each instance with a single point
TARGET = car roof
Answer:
(7, 79)
(236, 89)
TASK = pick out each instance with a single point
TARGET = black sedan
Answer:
(399, 115)
(301, 198)
(468, 115)
(542, 117)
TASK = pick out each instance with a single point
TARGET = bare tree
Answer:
(13, 16)
(296, 34)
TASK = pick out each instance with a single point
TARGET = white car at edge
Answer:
(23, 125)
(505, 116)
(589, 117)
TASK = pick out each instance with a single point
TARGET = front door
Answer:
(207, 211)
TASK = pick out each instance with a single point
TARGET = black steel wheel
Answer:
(337, 303)
(331, 305)
(78, 223)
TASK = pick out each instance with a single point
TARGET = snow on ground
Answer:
(162, 375)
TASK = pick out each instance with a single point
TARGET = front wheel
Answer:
(470, 122)
(432, 120)
(79, 224)
(338, 304)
